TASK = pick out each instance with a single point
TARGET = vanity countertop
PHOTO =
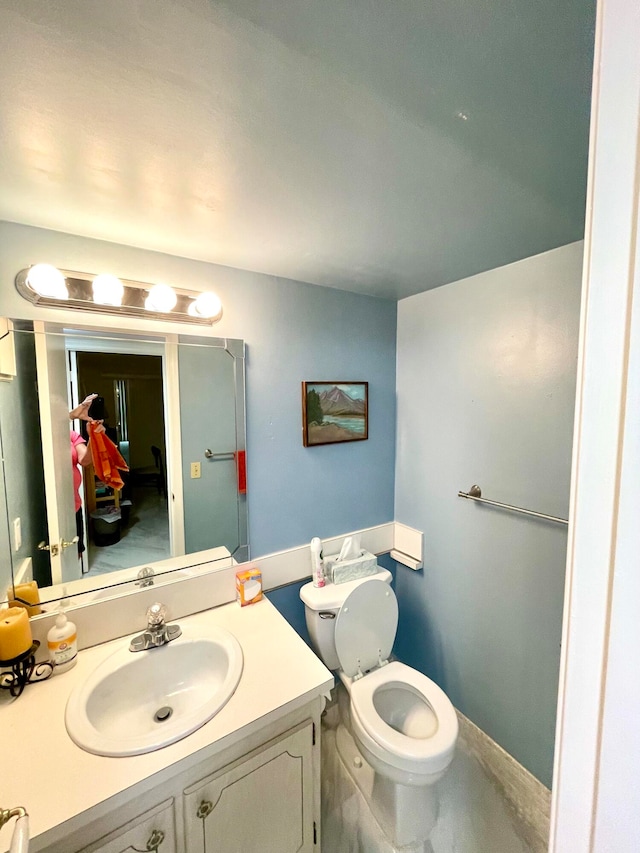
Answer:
(55, 780)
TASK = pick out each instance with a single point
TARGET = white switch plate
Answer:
(17, 534)
(195, 470)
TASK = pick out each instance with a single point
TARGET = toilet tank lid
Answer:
(332, 595)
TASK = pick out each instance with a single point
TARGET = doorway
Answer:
(129, 526)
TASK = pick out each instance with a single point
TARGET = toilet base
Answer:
(406, 814)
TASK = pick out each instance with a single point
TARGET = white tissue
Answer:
(350, 548)
(351, 563)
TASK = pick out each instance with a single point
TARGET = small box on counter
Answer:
(248, 586)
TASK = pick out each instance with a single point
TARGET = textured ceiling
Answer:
(376, 146)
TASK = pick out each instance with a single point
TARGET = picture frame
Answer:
(334, 412)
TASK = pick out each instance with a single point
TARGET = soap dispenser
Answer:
(62, 640)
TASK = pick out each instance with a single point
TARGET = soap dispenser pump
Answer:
(62, 641)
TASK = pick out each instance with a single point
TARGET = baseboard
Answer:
(526, 795)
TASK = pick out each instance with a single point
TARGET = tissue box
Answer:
(341, 571)
(248, 586)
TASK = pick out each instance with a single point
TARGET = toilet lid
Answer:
(366, 627)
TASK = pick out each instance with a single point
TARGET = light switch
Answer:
(195, 470)
(17, 534)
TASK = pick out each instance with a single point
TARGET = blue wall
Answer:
(315, 333)
(211, 501)
(486, 387)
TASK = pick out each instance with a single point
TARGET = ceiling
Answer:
(370, 145)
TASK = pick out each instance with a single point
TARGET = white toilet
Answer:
(403, 724)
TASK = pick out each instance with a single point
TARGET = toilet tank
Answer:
(322, 605)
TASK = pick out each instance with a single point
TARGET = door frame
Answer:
(164, 346)
(56, 457)
(597, 760)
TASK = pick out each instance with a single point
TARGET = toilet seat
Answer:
(415, 755)
(366, 627)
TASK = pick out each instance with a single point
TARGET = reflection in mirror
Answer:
(173, 407)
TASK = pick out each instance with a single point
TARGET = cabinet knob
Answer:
(204, 809)
(155, 840)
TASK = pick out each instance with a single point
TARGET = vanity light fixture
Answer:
(43, 284)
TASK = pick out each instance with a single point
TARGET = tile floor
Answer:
(144, 539)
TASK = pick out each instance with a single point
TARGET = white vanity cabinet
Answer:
(261, 795)
(263, 802)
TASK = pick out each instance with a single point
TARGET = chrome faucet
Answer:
(158, 633)
(145, 576)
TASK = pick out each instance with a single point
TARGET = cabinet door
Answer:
(152, 832)
(264, 802)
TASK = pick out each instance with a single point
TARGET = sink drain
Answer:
(163, 714)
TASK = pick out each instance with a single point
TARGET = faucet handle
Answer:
(145, 576)
(156, 615)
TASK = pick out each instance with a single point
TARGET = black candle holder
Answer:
(24, 670)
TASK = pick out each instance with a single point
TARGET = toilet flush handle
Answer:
(327, 614)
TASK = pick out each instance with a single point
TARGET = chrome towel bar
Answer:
(475, 494)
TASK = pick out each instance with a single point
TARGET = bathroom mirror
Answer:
(174, 407)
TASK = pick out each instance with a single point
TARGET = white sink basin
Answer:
(138, 702)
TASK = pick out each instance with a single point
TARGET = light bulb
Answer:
(161, 298)
(47, 281)
(206, 305)
(107, 290)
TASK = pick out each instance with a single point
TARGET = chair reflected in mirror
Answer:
(151, 475)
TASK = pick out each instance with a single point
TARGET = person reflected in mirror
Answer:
(81, 411)
(81, 458)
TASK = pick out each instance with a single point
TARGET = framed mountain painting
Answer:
(333, 412)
